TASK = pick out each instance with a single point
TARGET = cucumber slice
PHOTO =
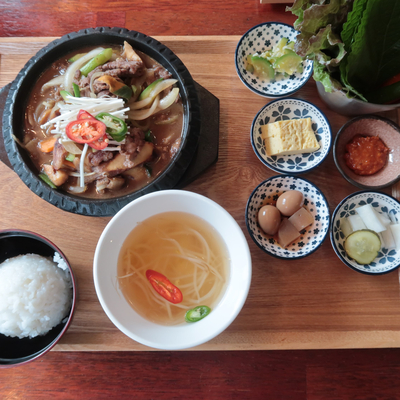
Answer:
(262, 67)
(288, 63)
(363, 246)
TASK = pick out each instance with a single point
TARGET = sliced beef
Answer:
(122, 69)
(59, 154)
(160, 72)
(100, 156)
(133, 142)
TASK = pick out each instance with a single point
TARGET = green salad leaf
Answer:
(355, 45)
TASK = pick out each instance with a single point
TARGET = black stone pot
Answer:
(16, 103)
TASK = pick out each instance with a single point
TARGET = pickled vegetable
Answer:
(262, 67)
(288, 63)
(363, 246)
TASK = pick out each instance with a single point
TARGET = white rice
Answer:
(35, 294)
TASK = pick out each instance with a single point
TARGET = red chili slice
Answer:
(164, 287)
(85, 115)
(100, 143)
(86, 130)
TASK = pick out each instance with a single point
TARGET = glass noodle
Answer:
(185, 249)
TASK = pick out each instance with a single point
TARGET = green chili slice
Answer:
(47, 180)
(197, 313)
(116, 127)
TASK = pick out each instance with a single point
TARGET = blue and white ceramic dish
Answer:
(388, 259)
(285, 109)
(259, 39)
(314, 201)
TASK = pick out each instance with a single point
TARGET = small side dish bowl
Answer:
(17, 351)
(315, 202)
(258, 39)
(286, 109)
(369, 125)
(387, 259)
(184, 335)
(340, 103)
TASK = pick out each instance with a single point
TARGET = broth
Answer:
(185, 249)
(165, 126)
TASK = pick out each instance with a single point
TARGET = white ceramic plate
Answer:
(259, 39)
(285, 109)
(123, 315)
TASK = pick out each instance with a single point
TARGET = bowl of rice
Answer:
(37, 296)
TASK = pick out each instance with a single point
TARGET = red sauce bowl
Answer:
(369, 125)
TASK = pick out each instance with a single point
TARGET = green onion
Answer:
(76, 57)
(70, 157)
(64, 94)
(100, 59)
(77, 92)
(47, 180)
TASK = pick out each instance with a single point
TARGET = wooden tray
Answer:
(313, 303)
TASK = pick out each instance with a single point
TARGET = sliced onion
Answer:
(57, 81)
(166, 83)
(71, 147)
(139, 115)
(70, 72)
(76, 189)
(169, 99)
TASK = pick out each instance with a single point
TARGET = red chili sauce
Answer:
(366, 155)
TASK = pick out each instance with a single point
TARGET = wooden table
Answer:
(313, 303)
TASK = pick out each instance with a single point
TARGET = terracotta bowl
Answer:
(13, 350)
(370, 125)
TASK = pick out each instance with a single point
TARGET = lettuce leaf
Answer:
(355, 44)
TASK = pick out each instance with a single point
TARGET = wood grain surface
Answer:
(333, 296)
(310, 303)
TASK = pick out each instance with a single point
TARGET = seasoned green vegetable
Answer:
(262, 67)
(281, 59)
(363, 246)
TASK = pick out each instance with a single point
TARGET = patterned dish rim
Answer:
(335, 145)
(333, 241)
(263, 248)
(329, 147)
(254, 90)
